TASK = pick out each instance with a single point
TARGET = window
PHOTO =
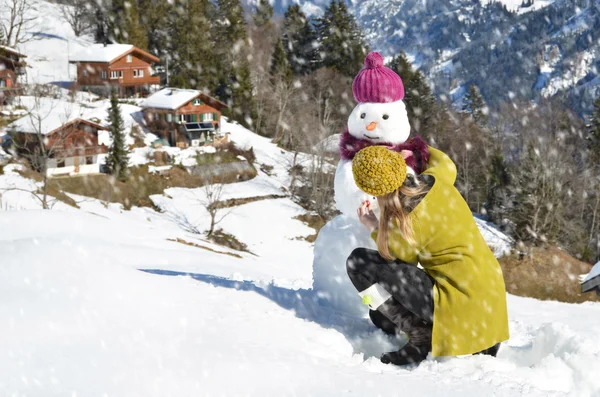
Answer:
(169, 117)
(89, 160)
(197, 102)
(116, 74)
(138, 72)
(103, 74)
(182, 118)
(2, 83)
(129, 58)
(60, 163)
(84, 73)
(206, 117)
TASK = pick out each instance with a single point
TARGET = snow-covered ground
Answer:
(79, 318)
(101, 301)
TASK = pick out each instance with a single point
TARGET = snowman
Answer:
(380, 118)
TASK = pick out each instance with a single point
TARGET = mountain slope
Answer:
(508, 51)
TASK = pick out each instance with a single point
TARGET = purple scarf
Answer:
(350, 145)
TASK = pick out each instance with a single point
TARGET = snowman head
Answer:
(380, 115)
(380, 122)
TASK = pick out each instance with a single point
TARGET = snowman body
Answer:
(372, 123)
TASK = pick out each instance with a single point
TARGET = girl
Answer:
(457, 305)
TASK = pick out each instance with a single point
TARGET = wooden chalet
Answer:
(102, 67)
(73, 146)
(183, 117)
(12, 66)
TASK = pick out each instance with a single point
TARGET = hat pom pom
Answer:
(373, 61)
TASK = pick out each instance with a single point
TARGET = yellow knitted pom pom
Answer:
(378, 171)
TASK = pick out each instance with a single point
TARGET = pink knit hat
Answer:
(376, 83)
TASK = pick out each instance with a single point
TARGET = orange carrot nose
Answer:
(372, 126)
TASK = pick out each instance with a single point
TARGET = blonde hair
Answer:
(395, 209)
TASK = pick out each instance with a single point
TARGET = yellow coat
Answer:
(470, 312)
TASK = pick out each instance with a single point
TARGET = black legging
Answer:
(408, 284)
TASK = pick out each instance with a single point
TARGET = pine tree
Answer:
(118, 156)
(280, 68)
(100, 22)
(474, 105)
(594, 134)
(341, 40)
(418, 97)
(154, 17)
(191, 52)
(263, 14)
(235, 83)
(134, 34)
(231, 26)
(242, 92)
(299, 41)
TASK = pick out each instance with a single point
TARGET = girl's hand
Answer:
(366, 216)
(406, 153)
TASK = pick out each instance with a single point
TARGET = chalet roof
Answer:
(108, 53)
(48, 120)
(174, 98)
(11, 51)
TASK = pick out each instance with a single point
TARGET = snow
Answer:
(170, 98)
(100, 53)
(54, 40)
(499, 242)
(575, 69)
(9, 49)
(46, 116)
(331, 144)
(80, 319)
(515, 5)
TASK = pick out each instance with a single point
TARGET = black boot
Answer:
(417, 330)
(492, 351)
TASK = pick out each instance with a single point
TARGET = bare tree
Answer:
(77, 14)
(261, 43)
(37, 146)
(17, 21)
(211, 201)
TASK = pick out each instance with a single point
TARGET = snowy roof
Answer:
(170, 98)
(174, 98)
(47, 118)
(12, 50)
(105, 53)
